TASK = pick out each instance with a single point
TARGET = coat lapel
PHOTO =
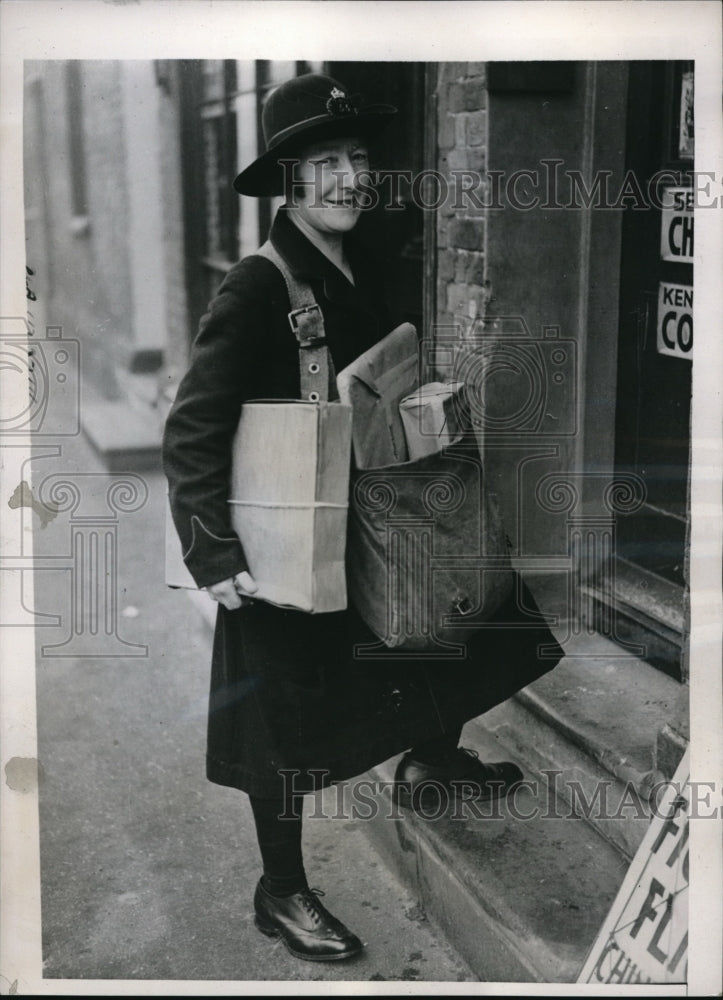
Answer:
(310, 264)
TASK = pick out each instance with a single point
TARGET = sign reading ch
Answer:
(676, 231)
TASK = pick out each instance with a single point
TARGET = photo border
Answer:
(433, 31)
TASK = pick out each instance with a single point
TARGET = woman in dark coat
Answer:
(291, 709)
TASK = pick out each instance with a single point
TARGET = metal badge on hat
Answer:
(339, 104)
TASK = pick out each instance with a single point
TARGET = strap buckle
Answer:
(307, 324)
(462, 605)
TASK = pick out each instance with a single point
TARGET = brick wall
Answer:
(520, 271)
(461, 226)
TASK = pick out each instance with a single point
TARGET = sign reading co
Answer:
(675, 320)
(676, 231)
(645, 936)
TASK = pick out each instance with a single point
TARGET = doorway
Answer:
(655, 349)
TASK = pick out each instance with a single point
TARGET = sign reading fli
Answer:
(645, 936)
(675, 320)
(676, 231)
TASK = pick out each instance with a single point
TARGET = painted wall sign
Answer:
(645, 936)
(676, 232)
(675, 320)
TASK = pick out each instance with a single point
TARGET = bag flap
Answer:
(429, 393)
(383, 364)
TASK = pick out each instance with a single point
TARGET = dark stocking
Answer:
(278, 829)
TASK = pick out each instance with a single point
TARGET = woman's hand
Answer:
(234, 592)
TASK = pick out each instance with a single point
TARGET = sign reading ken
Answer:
(675, 320)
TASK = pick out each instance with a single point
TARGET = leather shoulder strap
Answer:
(316, 369)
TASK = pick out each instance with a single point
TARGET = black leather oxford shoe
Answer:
(421, 787)
(305, 926)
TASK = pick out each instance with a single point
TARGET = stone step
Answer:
(646, 610)
(593, 727)
(519, 887)
(587, 790)
(125, 438)
(660, 600)
(522, 889)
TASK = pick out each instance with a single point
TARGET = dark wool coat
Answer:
(287, 696)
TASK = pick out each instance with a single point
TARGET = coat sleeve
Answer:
(223, 373)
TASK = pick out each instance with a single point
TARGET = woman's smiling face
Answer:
(325, 194)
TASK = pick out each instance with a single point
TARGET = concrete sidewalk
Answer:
(148, 870)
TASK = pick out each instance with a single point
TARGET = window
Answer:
(208, 144)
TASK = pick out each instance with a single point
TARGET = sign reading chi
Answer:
(645, 936)
(676, 231)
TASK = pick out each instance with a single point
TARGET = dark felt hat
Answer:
(301, 111)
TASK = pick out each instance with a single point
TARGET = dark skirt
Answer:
(296, 704)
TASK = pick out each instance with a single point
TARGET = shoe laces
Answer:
(312, 905)
(493, 772)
